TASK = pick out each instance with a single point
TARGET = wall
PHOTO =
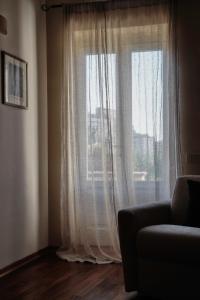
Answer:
(54, 62)
(23, 139)
(189, 68)
(188, 18)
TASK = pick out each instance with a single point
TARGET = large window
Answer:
(118, 118)
(146, 106)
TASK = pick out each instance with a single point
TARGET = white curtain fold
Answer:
(118, 120)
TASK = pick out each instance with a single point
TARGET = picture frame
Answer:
(14, 81)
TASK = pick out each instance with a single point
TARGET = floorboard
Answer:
(54, 279)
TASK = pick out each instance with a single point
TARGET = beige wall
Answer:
(23, 139)
(54, 62)
(189, 55)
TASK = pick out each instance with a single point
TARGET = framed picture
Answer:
(14, 81)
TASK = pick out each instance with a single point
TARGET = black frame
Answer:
(4, 83)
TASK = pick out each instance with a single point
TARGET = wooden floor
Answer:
(54, 279)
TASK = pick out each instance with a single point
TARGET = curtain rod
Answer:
(46, 7)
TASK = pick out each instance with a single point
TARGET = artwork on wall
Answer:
(14, 81)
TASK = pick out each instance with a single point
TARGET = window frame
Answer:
(125, 58)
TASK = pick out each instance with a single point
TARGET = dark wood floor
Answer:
(54, 279)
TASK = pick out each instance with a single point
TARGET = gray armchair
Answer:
(160, 255)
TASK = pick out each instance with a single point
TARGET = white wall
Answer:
(23, 139)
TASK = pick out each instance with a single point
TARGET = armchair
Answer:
(160, 254)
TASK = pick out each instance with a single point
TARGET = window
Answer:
(146, 105)
(101, 102)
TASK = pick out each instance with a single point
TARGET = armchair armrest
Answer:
(130, 221)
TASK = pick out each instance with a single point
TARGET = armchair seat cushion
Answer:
(169, 243)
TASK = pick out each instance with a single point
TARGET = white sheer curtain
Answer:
(118, 120)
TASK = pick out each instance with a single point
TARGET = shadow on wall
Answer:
(19, 163)
(42, 126)
(54, 62)
(12, 160)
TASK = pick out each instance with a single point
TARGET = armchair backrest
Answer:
(180, 199)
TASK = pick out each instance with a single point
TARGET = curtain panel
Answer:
(119, 120)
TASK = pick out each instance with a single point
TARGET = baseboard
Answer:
(18, 264)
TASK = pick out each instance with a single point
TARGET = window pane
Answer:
(147, 114)
(101, 112)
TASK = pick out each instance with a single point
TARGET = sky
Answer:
(146, 88)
